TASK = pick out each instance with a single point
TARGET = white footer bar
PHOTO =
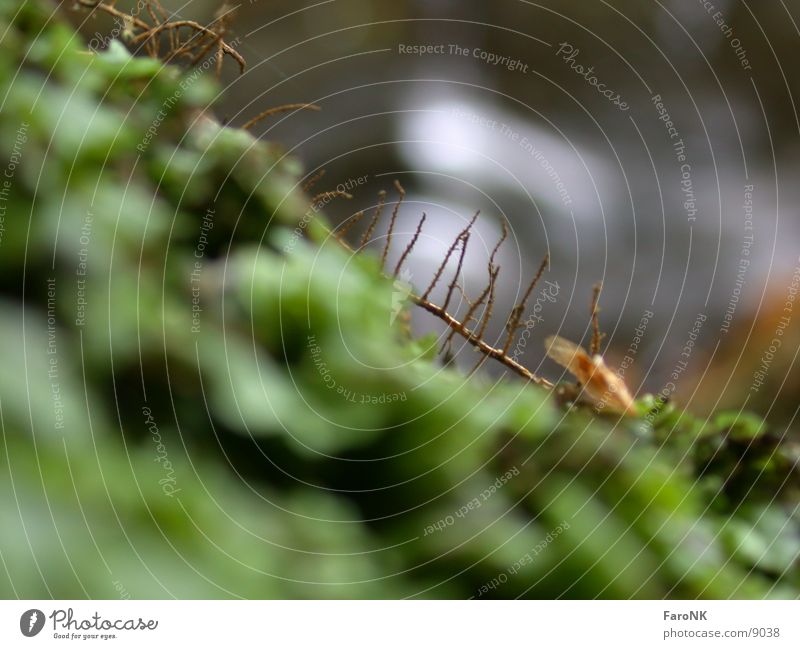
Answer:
(388, 624)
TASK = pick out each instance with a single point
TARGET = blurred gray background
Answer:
(531, 141)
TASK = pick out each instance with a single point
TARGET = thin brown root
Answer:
(597, 336)
(278, 109)
(453, 284)
(313, 180)
(487, 314)
(396, 209)
(330, 195)
(367, 236)
(449, 254)
(348, 225)
(517, 312)
(410, 246)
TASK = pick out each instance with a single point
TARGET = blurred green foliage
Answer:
(213, 460)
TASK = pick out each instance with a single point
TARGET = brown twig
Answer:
(173, 37)
(201, 37)
(174, 24)
(113, 11)
(220, 57)
(476, 342)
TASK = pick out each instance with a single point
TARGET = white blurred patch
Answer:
(499, 151)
